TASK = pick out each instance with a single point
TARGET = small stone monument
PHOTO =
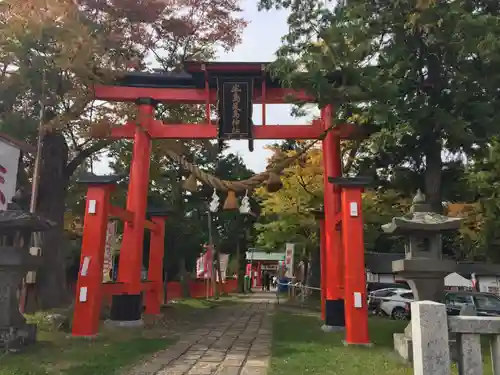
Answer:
(423, 266)
(16, 228)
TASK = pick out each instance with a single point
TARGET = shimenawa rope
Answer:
(250, 183)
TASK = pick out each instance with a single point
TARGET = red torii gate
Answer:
(200, 84)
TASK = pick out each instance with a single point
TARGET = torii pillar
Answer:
(356, 306)
(89, 286)
(333, 255)
(154, 295)
(128, 306)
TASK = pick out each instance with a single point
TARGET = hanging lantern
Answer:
(231, 202)
(214, 204)
(273, 183)
(190, 184)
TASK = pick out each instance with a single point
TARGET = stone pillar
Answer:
(429, 327)
(14, 332)
(16, 228)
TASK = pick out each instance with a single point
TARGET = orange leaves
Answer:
(460, 209)
(471, 212)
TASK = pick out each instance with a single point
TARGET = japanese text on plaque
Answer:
(236, 91)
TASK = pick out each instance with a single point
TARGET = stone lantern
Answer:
(423, 266)
(16, 228)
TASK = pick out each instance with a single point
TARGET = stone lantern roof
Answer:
(421, 219)
(15, 220)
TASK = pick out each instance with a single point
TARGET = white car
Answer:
(394, 303)
(376, 297)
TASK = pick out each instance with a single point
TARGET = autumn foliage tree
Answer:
(286, 216)
(53, 51)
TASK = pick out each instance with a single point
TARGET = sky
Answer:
(261, 39)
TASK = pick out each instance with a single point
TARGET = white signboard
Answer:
(270, 267)
(108, 251)
(289, 252)
(224, 261)
(9, 162)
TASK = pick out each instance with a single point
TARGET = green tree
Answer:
(484, 176)
(423, 76)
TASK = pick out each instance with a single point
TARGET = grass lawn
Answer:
(57, 353)
(113, 350)
(300, 347)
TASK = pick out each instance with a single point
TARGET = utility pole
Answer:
(36, 240)
(39, 145)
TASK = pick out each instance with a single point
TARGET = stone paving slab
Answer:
(247, 370)
(237, 342)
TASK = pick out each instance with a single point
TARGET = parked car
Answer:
(376, 297)
(373, 286)
(486, 304)
(395, 304)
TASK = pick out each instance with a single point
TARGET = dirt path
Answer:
(236, 341)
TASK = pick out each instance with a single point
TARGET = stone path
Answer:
(237, 342)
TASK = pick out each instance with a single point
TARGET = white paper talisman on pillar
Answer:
(108, 251)
(9, 162)
(289, 253)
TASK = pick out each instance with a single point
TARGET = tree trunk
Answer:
(314, 276)
(433, 173)
(431, 138)
(51, 289)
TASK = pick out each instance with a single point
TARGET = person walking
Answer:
(265, 280)
(268, 281)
